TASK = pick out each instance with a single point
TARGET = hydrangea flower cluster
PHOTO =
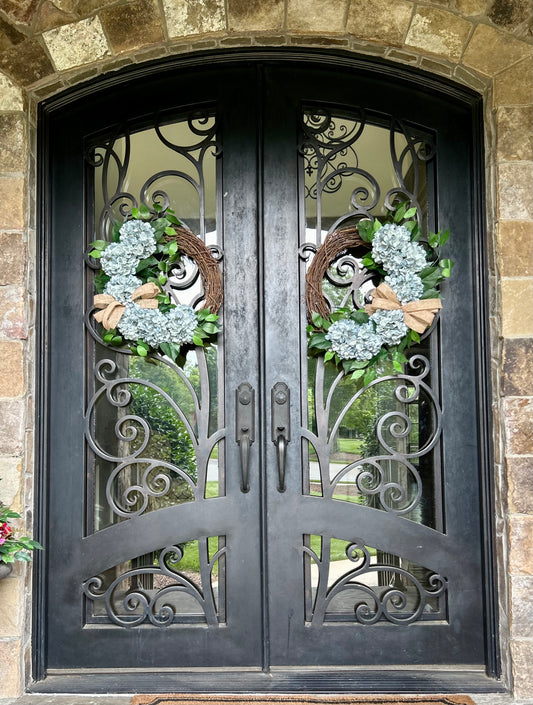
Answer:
(351, 340)
(402, 259)
(119, 261)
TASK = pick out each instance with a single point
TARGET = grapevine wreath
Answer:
(133, 307)
(402, 305)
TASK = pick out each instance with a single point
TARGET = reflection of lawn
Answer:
(338, 548)
(349, 445)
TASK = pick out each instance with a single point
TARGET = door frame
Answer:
(279, 680)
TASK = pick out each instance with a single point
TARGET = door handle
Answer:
(244, 429)
(281, 427)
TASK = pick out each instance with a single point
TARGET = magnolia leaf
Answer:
(360, 316)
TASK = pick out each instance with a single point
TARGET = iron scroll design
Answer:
(132, 498)
(129, 604)
(329, 148)
(372, 591)
(373, 478)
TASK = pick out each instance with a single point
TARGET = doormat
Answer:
(302, 700)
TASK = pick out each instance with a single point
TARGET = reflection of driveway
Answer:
(339, 568)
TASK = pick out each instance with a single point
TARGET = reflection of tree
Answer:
(169, 439)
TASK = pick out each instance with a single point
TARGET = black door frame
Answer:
(282, 680)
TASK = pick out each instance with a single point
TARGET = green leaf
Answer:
(397, 366)
(173, 248)
(366, 230)
(376, 225)
(210, 328)
(116, 231)
(157, 207)
(96, 254)
(145, 212)
(162, 279)
(145, 263)
(415, 337)
(100, 244)
(433, 239)
(430, 294)
(370, 376)
(116, 340)
(410, 213)
(446, 266)
(170, 231)
(358, 374)
(360, 317)
(197, 340)
(172, 218)
(368, 262)
(142, 352)
(400, 212)
(329, 355)
(135, 213)
(444, 235)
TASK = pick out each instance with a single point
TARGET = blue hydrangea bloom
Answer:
(121, 287)
(390, 326)
(406, 285)
(181, 323)
(146, 323)
(393, 248)
(117, 260)
(138, 237)
(353, 341)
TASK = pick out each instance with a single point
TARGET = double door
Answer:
(251, 510)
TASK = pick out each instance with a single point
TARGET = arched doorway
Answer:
(250, 518)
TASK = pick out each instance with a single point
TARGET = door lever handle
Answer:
(244, 429)
(281, 427)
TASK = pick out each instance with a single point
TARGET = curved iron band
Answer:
(221, 516)
(153, 531)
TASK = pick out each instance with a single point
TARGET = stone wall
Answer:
(48, 45)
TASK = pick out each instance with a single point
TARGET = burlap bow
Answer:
(418, 315)
(144, 296)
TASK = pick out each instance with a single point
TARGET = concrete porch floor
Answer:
(495, 699)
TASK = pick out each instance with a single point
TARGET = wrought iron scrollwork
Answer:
(371, 590)
(373, 476)
(129, 497)
(129, 606)
(330, 153)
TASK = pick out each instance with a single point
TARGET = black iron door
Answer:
(251, 508)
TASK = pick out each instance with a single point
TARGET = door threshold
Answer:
(311, 681)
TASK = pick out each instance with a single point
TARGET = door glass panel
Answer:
(154, 428)
(177, 584)
(347, 581)
(367, 445)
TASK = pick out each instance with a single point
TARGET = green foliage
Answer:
(12, 547)
(431, 276)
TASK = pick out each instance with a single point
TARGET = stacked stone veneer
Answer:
(49, 45)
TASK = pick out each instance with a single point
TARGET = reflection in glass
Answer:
(348, 581)
(178, 584)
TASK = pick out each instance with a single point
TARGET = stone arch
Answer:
(46, 46)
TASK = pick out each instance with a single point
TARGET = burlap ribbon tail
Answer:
(418, 315)
(144, 296)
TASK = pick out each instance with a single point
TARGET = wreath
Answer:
(400, 308)
(134, 309)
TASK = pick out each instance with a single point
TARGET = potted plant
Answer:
(12, 548)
